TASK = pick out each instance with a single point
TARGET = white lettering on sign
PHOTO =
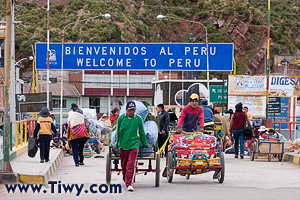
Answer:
(68, 50)
(94, 63)
(128, 64)
(135, 51)
(163, 51)
(127, 51)
(80, 51)
(203, 50)
(104, 51)
(184, 62)
(195, 51)
(119, 62)
(186, 50)
(97, 50)
(111, 62)
(88, 62)
(143, 51)
(79, 62)
(89, 50)
(152, 62)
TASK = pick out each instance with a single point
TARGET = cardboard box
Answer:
(288, 146)
(265, 148)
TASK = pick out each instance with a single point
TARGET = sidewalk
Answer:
(30, 170)
(14, 153)
(292, 157)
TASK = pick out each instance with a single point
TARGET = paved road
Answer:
(244, 180)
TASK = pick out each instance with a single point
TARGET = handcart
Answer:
(196, 153)
(113, 163)
(269, 148)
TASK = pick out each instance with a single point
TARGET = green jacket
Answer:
(130, 132)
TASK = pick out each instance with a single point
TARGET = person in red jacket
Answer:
(114, 115)
(190, 115)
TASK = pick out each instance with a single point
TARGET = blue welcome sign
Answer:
(136, 56)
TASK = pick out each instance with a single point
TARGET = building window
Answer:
(53, 80)
(56, 103)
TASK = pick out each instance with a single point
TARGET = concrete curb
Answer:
(291, 157)
(22, 149)
(16, 152)
(46, 173)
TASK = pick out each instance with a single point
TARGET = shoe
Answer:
(76, 165)
(242, 157)
(42, 161)
(81, 163)
(236, 156)
(130, 188)
(47, 160)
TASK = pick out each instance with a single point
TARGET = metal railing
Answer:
(289, 127)
(23, 130)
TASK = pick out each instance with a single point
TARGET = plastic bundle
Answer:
(151, 131)
(141, 110)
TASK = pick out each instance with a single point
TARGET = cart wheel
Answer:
(222, 175)
(157, 171)
(187, 176)
(252, 152)
(280, 157)
(97, 149)
(108, 169)
(170, 166)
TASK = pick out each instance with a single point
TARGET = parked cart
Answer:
(269, 148)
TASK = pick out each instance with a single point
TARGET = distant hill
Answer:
(243, 22)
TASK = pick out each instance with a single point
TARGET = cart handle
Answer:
(205, 158)
(162, 149)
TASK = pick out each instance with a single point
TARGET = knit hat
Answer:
(44, 112)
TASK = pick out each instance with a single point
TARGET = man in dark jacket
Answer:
(164, 120)
(209, 122)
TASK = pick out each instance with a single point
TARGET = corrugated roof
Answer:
(69, 90)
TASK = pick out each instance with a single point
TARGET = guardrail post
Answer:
(10, 137)
(25, 140)
(21, 131)
(290, 131)
(17, 138)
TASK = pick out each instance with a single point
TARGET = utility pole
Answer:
(48, 52)
(7, 63)
(268, 61)
(7, 172)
